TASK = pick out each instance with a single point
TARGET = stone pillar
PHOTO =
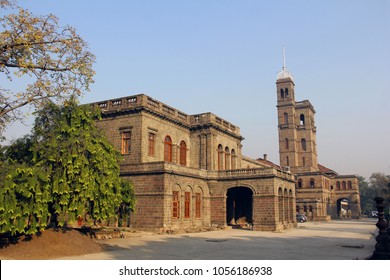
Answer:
(264, 208)
(218, 210)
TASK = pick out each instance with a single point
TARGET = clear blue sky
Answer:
(223, 57)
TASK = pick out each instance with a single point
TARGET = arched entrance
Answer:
(343, 209)
(239, 206)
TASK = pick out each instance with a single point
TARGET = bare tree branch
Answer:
(55, 60)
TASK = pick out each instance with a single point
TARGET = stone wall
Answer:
(176, 195)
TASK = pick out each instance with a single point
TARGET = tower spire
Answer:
(284, 73)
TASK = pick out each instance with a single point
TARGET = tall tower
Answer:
(297, 131)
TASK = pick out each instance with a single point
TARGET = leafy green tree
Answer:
(24, 199)
(74, 171)
(127, 205)
(366, 196)
(18, 151)
(378, 185)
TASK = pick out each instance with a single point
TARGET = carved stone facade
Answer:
(188, 170)
(321, 193)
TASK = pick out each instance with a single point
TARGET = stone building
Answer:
(321, 193)
(188, 170)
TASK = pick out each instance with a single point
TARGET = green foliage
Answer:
(24, 199)
(69, 170)
(127, 205)
(378, 185)
(19, 151)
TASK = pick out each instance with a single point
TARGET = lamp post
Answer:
(382, 247)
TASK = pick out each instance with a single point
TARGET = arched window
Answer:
(168, 149)
(310, 208)
(300, 183)
(303, 144)
(286, 91)
(227, 158)
(285, 118)
(183, 153)
(220, 157)
(303, 161)
(176, 205)
(343, 186)
(337, 185)
(286, 143)
(198, 205)
(312, 183)
(349, 185)
(287, 161)
(234, 159)
(281, 93)
(302, 119)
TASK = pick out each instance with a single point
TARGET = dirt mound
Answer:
(50, 244)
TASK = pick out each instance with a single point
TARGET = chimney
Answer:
(265, 156)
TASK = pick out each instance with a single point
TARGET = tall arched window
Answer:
(287, 161)
(285, 118)
(281, 93)
(349, 185)
(183, 153)
(300, 183)
(286, 92)
(234, 159)
(303, 144)
(220, 157)
(286, 143)
(176, 205)
(337, 185)
(227, 158)
(302, 119)
(168, 149)
(343, 186)
(312, 183)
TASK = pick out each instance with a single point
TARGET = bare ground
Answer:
(50, 244)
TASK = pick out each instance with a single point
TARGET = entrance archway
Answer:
(343, 209)
(239, 206)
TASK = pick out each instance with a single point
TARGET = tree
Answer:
(74, 172)
(19, 151)
(366, 196)
(378, 185)
(54, 61)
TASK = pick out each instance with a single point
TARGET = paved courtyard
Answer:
(336, 240)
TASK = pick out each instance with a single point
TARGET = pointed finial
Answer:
(284, 73)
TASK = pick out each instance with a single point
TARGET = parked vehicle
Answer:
(301, 218)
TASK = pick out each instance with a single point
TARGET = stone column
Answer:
(218, 210)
